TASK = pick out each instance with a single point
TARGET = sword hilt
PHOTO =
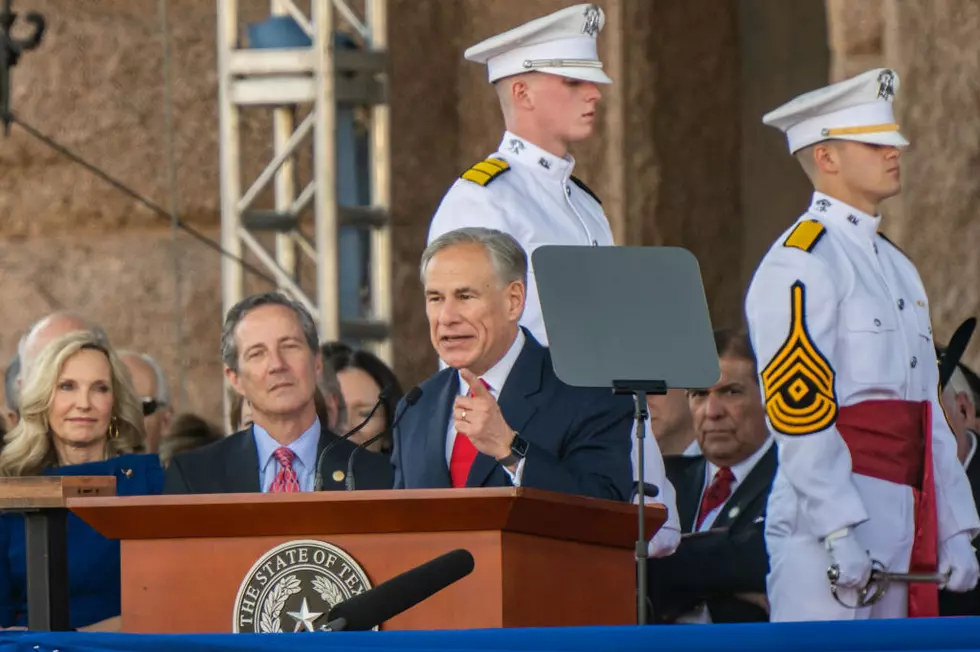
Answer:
(878, 584)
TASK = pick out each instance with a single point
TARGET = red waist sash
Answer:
(892, 441)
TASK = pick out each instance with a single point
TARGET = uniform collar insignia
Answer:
(517, 150)
(835, 214)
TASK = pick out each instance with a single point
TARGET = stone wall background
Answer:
(680, 157)
(936, 219)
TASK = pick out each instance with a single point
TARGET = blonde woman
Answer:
(79, 416)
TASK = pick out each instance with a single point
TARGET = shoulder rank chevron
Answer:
(798, 383)
(806, 235)
(578, 182)
(486, 171)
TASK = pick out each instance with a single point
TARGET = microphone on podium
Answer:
(411, 399)
(400, 593)
(318, 481)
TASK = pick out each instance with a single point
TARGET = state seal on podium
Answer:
(293, 586)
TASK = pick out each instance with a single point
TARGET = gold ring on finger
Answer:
(463, 414)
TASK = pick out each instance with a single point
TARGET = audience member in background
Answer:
(332, 398)
(362, 376)
(11, 413)
(272, 357)
(718, 573)
(187, 432)
(154, 392)
(48, 329)
(498, 416)
(672, 423)
(960, 407)
(79, 416)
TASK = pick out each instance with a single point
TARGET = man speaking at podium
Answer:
(498, 415)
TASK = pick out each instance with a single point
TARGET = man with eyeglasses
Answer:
(154, 392)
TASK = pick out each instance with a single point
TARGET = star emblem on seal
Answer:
(304, 617)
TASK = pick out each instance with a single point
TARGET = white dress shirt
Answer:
(304, 460)
(536, 202)
(495, 378)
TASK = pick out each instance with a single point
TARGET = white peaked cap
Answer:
(858, 109)
(562, 43)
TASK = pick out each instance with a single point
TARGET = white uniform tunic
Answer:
(832, 289)
(535, 200)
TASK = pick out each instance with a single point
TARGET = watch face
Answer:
(519, 446)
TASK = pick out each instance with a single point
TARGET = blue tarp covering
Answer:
(906, 635)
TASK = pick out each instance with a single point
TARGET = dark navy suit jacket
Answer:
(231, 465)
(579, 438)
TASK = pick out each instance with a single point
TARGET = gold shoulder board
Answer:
(806, 235)
(486, 171)
(798, 383)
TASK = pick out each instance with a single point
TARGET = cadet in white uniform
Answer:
(547, 73)
(839, 320)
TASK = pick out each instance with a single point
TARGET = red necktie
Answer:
(464, 452)
(286, 480)
(718, 492)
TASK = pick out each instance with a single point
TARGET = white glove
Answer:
(958, 558)
(852, 561)
(664, 542)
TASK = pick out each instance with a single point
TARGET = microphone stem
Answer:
(349, 478)
(318, 476)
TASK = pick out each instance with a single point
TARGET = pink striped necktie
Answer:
(286, 480)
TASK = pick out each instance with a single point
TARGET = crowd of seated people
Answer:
(75, 405)
(495, 416)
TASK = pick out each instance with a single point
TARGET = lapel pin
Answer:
(734, 512)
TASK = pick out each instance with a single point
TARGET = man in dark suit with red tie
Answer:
(498, 415)
(718, 573)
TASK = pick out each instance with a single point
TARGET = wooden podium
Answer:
(542, 559)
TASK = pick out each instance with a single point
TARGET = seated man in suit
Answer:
(960, 407)
(271, 354)
(718, 573)
(522, 425)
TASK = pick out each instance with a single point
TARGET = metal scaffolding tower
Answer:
(291, 82)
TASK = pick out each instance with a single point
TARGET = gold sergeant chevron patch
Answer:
(486, 171)
(805, 236)
(798, 383)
